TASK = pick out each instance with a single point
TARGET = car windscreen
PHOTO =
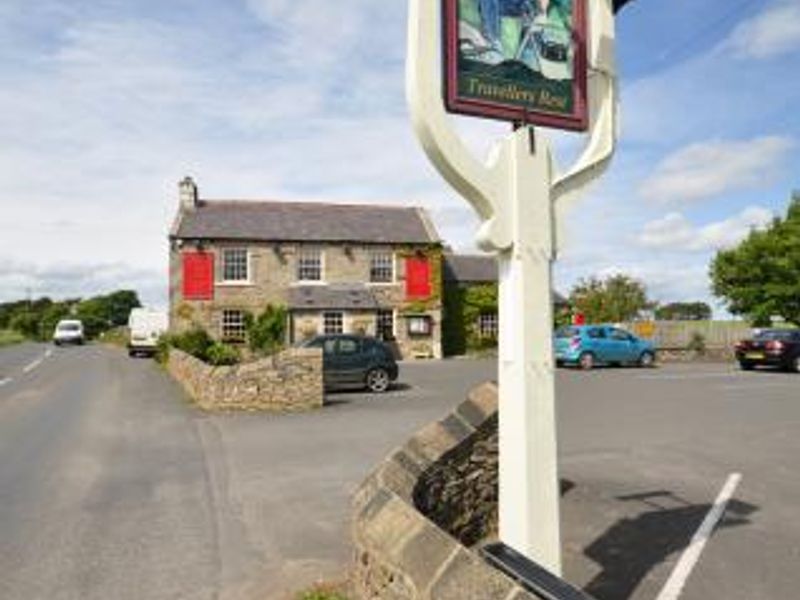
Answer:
(566, 332)
(69, 327)
(776, 335)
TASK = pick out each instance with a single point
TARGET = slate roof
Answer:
(306, 221)
(475, 268)
(344, 296)
(463, 268)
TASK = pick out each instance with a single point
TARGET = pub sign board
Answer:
(517, 60)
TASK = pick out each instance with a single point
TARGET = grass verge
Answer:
(8, 337)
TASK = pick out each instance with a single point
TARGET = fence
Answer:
(678, 334)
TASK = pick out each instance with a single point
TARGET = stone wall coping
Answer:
(400, 553)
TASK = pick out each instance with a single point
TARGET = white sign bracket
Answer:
(519, 199)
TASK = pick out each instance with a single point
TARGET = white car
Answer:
(146, 326)
(68, 331)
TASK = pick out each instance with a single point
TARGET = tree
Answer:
(760, 278)
(615, 299)
(684, 311)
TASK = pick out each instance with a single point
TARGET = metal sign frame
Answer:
(459, 103)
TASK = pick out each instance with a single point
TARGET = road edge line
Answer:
(680, 574)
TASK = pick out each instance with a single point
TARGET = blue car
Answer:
(588, 345)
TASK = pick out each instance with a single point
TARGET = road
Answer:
(112, 485)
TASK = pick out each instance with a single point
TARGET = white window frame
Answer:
(393, 266)
(300, 256)
(225, 324)
(488, 323)
(249, 266)
(332, 313)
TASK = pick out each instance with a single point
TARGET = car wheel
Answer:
(586, 361)
(796, 364)
(647, 359)
(378, 380)
(745, 366)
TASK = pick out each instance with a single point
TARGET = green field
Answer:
(10, 337)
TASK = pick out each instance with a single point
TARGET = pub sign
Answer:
(517, 60)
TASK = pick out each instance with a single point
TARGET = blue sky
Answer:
(106, 104)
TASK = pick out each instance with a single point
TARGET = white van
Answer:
(68, 331)
(146, 326)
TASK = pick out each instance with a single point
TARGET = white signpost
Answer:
(519, 196)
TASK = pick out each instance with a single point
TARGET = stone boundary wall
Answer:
(288, 381)
(400, 554)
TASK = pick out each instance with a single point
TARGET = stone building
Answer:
(470, 303)
(338, 268)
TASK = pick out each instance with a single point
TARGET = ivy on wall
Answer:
(463, 305)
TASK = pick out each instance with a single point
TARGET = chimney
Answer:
(188, 194)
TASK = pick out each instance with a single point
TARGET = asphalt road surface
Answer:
(113, 486)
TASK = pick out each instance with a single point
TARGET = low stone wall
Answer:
(288, 381)
(446, 474)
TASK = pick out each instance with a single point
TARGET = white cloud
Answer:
(60, 280)
(676, 232)
(707, 169)
(774, 32)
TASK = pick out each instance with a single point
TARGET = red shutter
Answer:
(198, 276)
(418, 278)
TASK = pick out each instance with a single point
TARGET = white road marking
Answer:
(679, 376)
(49, 353)
(5, 381)
(674, 586)
(33, 365)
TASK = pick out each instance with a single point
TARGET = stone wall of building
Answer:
(288, 381)
(273, 270)
(400, 551)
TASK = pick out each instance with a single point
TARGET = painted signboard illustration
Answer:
(517, 60)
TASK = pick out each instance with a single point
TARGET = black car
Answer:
(352, 360)
(771, 347)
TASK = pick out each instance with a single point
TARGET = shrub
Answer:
(196, 342)
(219, 354)
(697, 342)
(162, 348)
(266, 333)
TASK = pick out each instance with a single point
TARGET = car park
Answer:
(770, 348)
(586, 346)
(68, 331)
(357, 361)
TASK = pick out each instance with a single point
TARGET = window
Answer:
(487, 325)
(384, 325)
(309, 264)
(233, 329)
(333, 322)
(419, 325)
(348, 346)
(596, 333)
(235, 265)
(381, 267)
(620, 335)
(198, 276)
(418, 277)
